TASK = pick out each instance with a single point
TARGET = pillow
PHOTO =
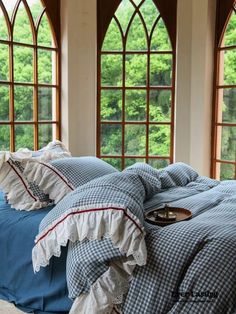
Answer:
(177, 174)
(59, 177)
(21, 193)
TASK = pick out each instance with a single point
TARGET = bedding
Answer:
(24, 194)
(44, 293)
(190, 266)
(59, 177)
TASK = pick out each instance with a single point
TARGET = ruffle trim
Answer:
(17, 189)
(46, 154)
(49, 180)
(104, 294)
(106, 220)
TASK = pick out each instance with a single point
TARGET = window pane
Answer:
(160, 38)
(23, 64)
(124, 13)
(3, 26)
(159, 140)
(160, 105)
(228, 60)
(113, 40)
(135, 140)
(45, 37)
(136, 70)
(4, 137)
(23, 103)
(111, 69)
(225, 171)
(4, 62)
(22, 29)
(4, 103)
(135, 105)
(227, 108)
(115, 162)
(150, 13)
(46, 66)
(45, 134)
(111, 139)
(161, 70)
(46, 103)
(24, 136)
(111, 105)
(9, 6)
(230, 33)
(227, 135)
(35, 8)
(131, 161)
(158, 163)
(136, 39)
(137, 2)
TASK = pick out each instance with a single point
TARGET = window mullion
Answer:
(35, 105)
(11, 111)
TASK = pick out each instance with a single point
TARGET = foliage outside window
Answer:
(224, 159)
(29, 87)
(136, 88)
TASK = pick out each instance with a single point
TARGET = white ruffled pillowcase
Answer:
(57, 178)
(22, 193)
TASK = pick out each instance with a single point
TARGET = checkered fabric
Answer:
(190, 266)
(57, 147)
(33, 187)
(80, 170)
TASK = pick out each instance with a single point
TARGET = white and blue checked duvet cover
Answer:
(190, 265)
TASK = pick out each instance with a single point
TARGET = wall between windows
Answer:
(195, 50)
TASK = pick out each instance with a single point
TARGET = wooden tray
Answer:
(181, 214)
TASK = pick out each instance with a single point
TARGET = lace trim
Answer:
(107, 220)
(48, 180)
(17, 189)
(104, 294)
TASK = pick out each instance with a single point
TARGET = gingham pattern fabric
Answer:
(191, 265)
(87, 261)
(80, 170)
(33, 187)
(39, 194)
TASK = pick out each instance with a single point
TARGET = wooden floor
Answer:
(7, 308)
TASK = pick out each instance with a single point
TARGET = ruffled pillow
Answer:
(21, 193)
(57, 178)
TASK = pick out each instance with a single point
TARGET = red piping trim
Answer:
(59, 175)
(19, 176)
(88, 211)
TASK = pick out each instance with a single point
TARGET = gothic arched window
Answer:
(136, 83)
(224, 123)
(29, 74)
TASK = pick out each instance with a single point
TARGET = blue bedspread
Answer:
(45, 292)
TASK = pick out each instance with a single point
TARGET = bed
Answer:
(44, 293)
(189, 267)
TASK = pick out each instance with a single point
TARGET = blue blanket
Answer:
(44, 293)
(109, 211)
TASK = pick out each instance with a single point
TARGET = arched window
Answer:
(136, 82)
(29, 74)
(224, 111)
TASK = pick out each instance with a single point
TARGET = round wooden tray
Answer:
(181, 214)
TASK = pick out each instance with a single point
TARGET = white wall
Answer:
(195, 54)
(79, 75)
(196, 19)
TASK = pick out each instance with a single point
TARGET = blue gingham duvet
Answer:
(190, 266)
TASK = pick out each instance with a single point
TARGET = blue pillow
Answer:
(59, 177)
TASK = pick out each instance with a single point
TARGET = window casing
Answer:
(136, 82)
(224, 108)
(30, 77)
